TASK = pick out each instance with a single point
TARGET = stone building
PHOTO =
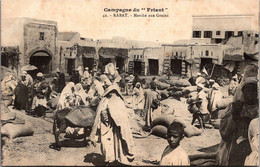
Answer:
(146, 61)
(75, 51)
(219, 28)
(36, 41)
(187, 57)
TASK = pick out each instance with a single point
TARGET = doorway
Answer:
(120, 62)
(70, 66)
(153, 66)
(42, 61)
(207, 63)
(88, 62)
(176, 66)
(138, 67)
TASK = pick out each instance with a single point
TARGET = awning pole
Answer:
(212, 70)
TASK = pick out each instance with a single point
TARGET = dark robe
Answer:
(21, 96)
(61, 82)
(75, 78)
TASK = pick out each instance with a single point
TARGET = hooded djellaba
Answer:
(113, 128)
(234, 146)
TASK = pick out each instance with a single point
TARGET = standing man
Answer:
(41, 89)
(61, 81)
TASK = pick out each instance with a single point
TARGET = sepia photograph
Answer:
(129, 83)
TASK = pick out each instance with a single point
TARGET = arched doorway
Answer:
(42, 60)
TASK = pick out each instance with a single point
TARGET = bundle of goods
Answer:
(161, 85)
(12, 125)
(164, 94)
(161, 124)
(189, 90)
(180, 109)
(180, 82)
(164, 80)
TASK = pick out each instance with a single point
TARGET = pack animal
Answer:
(61, 123)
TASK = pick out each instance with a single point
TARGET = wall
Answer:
(222, 23)
(32, 43)
(154, 53)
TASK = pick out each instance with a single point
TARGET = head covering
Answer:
(199, 74)
(39, 74)
(249, 80)
(216, 86)
(111, 88)
(24, 72)
(211, 80)
(200, 86)
(86, 68)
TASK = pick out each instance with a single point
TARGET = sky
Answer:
(86, 16)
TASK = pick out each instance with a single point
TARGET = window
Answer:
(134, 56)
(137, 56)
(217, 32)
(176, 53)
(196, 34)
(207, 34)
(248, 35)
(207, 53)
(201, 53)
(211, 53)
(180, 54)
(239, 33)
(256, 35)
(229, 34)
(41, 36)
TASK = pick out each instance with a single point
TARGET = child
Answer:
(173, 154)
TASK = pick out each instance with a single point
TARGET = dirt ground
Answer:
(34, 150)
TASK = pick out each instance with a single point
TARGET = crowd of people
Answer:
(104, 90)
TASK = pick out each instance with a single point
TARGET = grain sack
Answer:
(13, 131)
(7, 100)
(6, 114)
(164, 80)
(180, 82)
(161, 86)
(180, 109)
(164, 94)
(189, 89)
(190, 131)
(183, 83)
(159, 131)
(166, 120)
(166, 110)
(177, 88)
(223, 103)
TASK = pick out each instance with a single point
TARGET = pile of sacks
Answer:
(176, 88)
(14, 126)
(161, 124)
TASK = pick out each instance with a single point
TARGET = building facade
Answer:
(36, 40)
(219, 28)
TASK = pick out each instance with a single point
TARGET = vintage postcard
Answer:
(129, 82)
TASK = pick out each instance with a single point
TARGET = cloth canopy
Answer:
(107, 56)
